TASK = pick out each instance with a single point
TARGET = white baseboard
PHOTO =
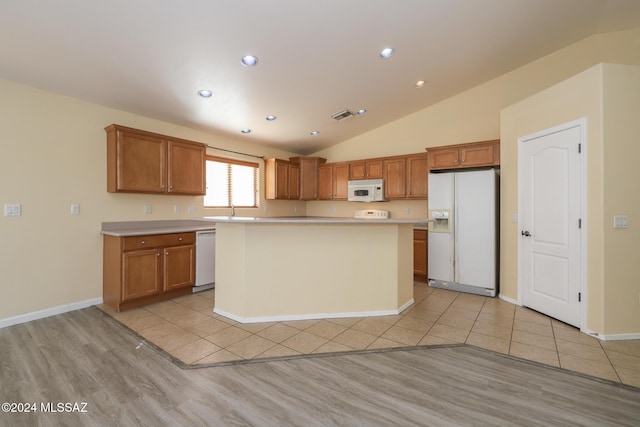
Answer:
(47, 312)
(314, 315)
(507, 299)
(614, 337)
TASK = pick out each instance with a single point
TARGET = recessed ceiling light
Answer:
(249, 60)
(362, 111)
(387, 52)
(315, 133)
(271, 117)
(420, 83)
(245, 130)
(205, 93)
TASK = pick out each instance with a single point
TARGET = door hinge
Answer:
(579, 148)
(580, 223)
(579, 296)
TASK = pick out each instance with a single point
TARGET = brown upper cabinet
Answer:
(309, 169)
(332, 181)
(475, 154)
(366, 169)
(395, 181)
(417, 176)
(282, 180)
(145, 162)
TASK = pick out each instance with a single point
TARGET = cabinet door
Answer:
(417, 177)
(281, 183)
(142, 274)
(140, 163)
(443, 158)
(308, 179)
(186, 172)
(325, 182)
(340, 181)
(420, 255)
(477, 155)
(294, 182)
(179, 267)
(395, 179)
(357, 170)
(375, 169)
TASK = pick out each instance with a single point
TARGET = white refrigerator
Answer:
(463, 243)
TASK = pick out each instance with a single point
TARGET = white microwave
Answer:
(366, 190)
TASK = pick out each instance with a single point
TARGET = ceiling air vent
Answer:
(342, 115)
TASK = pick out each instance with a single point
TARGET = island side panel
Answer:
(405, 265)
(230, 273)
(312, 270)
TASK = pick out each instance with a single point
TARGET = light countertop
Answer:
(311, 220)
(144, 228)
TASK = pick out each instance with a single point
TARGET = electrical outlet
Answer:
(406, 211)
(75, 209)
(176, 209)
(191, 209)
(147, 209)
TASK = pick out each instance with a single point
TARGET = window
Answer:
(231, 183)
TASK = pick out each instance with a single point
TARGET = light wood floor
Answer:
(84, 356)
(191, 334)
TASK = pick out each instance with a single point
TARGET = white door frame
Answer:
(582, 124)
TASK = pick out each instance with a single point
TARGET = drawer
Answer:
(158, 240)
(419, 234)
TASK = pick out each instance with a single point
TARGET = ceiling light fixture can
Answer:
(315, 133)
(205, 93)
(387, 52)
(420, 83)
(270, 117)
(245, 130)
(249, 60)
(362, 111)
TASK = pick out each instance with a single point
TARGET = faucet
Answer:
(233, 210)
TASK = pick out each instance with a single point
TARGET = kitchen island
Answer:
(288, 268)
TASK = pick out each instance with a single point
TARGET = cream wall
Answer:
(54, 154)
(608, 96)
(621, 285)
(579, 96)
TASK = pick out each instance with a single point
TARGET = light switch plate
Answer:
(75, 209)
(620, 221)
(12, 210)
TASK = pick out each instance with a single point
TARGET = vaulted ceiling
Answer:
(315, 59)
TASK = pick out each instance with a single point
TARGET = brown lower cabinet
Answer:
(420, 252)
(139, 270)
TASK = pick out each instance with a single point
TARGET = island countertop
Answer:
(311, 220)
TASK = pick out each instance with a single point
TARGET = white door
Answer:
(550, 193)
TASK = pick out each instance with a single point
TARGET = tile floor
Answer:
(187, 328)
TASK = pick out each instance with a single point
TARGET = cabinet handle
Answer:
(180, 239)
(170, 187)
(166, 253)
(142, 242)
(158, 254)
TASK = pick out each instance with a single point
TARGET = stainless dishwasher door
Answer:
(205, 259)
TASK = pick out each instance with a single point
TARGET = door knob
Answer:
(525, 233)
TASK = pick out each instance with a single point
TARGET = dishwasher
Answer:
(205, 260)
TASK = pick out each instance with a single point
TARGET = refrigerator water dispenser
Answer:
(440, 219)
